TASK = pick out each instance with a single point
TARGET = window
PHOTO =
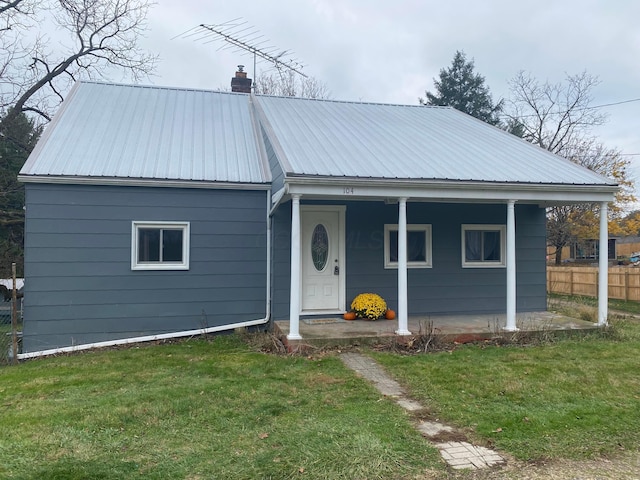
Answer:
(320, 247)
(418, 246)
(483, 246)
(160, 246)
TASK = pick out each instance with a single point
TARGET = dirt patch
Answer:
(444, 437)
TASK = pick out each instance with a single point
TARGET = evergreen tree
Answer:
(463, 89)
(17, 139)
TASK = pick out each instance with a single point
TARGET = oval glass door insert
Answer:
(320, 247)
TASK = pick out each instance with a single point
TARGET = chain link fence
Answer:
(6, 330)
(10, 327)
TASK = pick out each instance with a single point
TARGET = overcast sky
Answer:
(390, 51)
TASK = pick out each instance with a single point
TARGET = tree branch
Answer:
(9, 5)
(105, 34)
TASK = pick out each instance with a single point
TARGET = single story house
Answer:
(157, 212)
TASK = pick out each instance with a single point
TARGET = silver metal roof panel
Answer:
(344, 139)
(151, 133)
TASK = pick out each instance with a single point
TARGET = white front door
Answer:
(322, 259)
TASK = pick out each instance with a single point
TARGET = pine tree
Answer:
(461, 88)
(17, 139)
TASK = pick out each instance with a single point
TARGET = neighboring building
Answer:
(159, 211)
(587, 250)
(6, 299)
(627, 246)
(590, 249)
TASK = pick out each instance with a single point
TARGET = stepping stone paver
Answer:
(458, 455)
(370, 370)
(464, 455)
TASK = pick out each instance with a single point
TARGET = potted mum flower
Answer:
(369, 305)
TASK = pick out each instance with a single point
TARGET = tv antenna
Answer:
(238, 36)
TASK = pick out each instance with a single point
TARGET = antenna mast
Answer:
(237, 35)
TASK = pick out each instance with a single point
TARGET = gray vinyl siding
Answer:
(446, 288)
(281, 262)
(81, 288)
(277, 174)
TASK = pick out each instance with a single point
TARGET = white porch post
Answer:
(294, 300)
(403, 321)
(603, 264)
(511, 267)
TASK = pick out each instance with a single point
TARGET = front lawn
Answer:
(577, 398)
(208, 409)
(200, 410)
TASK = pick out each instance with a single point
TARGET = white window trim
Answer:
(184, 265)
(413, 227)
(503, 250)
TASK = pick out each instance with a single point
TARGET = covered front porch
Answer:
(429, 208)
(333, 330)
(414, 287)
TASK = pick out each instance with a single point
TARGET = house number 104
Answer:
(348, 190)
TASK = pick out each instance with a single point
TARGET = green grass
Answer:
(614, 304)
(200, 410)
(5, 328)
(214, 409)
(6, 341)
(576, 398)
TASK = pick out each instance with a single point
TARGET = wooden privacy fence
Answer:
(624, 282)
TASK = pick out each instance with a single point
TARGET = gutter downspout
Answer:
(182, 334)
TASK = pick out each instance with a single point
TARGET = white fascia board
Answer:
(450, 191)
(141, 182)
(277, 196)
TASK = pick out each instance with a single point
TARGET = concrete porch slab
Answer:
(327, 331)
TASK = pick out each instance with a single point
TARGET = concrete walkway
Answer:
(458, 455)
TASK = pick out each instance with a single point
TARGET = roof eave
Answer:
(141, 182)
(440, 190)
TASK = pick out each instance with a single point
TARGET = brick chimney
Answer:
(240, 83)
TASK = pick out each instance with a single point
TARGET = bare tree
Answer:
(94, 38)
(559, 118)
(608, 162)
(554, 116)
(102, 36)
(289, 84)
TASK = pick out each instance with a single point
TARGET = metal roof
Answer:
(110, 132)
(137, 132)
(365, 140)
